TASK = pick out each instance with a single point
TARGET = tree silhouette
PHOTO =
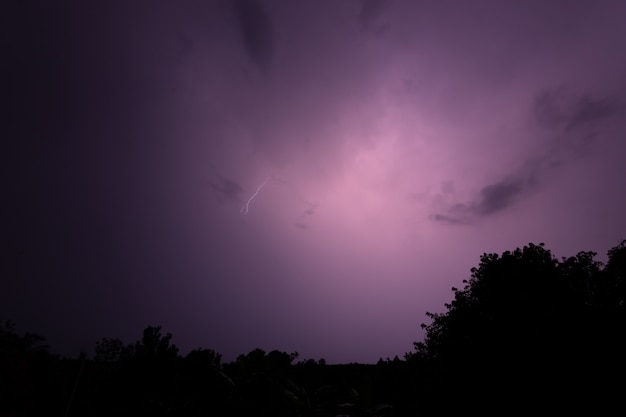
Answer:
(524, 316)
(112, 350)
(154, 346)
(614, 288)
(264, 386)
(10, 340)
(141, 378)
(152, 371)
(526, 331)
(208, 391)
(27, 385)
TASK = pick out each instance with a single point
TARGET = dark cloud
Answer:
(443, 218)
(303, 219)
(370, 14)
(493, 198)
(310, 210)
(560, 108)
(549, 107)
(302, 226)
(257, 31)
(590, 110)
(225, 188)
(498, 196)
(371, 10)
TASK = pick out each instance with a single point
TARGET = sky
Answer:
(306, 176)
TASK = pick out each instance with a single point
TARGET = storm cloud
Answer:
(402, 140)
(589, 110)
(563, 109)
(492, 199)
(257, 33)
(370, 15)
(498, 196)
(226, 188)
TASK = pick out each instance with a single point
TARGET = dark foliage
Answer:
(526, 332)
(531, 330)
(31, 381)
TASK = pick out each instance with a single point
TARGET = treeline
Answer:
(150, 377)
(527, 332)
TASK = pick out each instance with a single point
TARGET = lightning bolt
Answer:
(246, 206)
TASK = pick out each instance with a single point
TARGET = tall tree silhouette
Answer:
(264, 386)
(525, 323)
(27, 385)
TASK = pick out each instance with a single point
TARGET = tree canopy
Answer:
(526, 331)
(525, 314)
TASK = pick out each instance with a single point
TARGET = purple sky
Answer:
(399, 140)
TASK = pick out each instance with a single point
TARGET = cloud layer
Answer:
(401, 140)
